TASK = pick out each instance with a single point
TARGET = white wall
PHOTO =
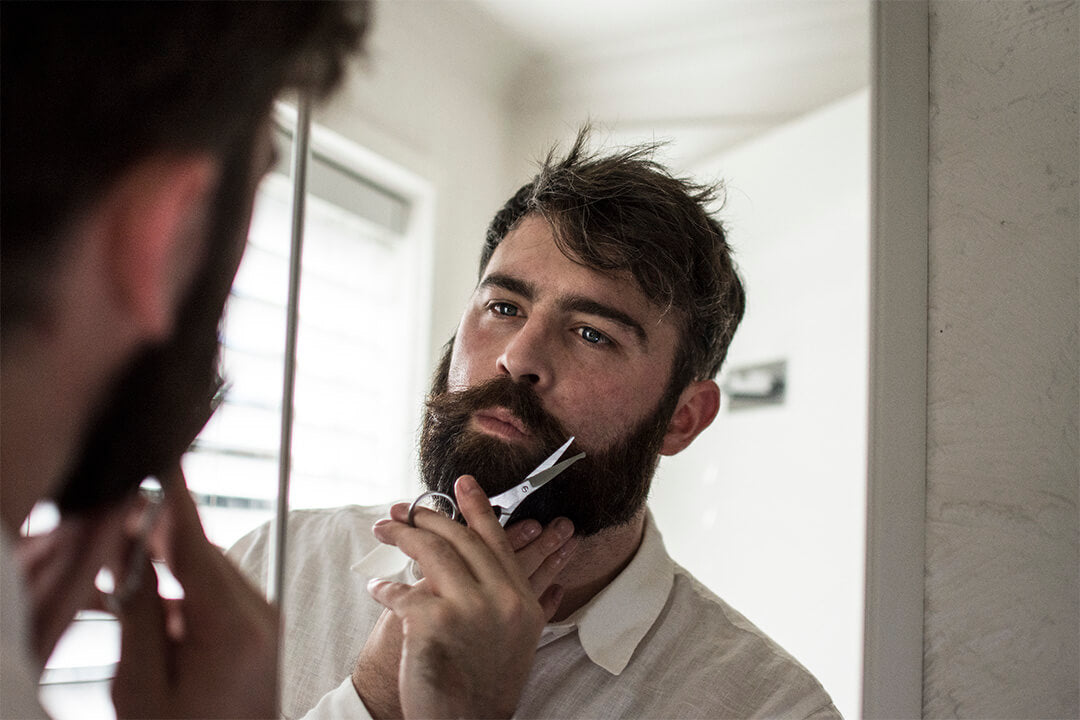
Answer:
(767, 507)
(1003, 474)
(429, 98)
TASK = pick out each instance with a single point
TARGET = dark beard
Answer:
(605, 489)
(170, 390)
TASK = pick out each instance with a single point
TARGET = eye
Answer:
(503, 308)
(594, 336)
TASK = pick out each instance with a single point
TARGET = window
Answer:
(361, 322)
(362, 336)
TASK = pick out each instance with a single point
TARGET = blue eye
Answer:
(504, 308)
(593, 336)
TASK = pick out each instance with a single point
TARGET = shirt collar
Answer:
(613, 623)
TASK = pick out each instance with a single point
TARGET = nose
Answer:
(526, 356)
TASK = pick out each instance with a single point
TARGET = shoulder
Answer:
(746, 670)
(326, 533)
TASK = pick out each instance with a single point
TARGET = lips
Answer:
(502, 422)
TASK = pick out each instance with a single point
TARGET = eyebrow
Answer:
(571, 303)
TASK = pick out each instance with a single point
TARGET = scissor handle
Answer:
(429, 494)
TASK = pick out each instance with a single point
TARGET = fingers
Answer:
(550, 600)
(540, 554)
(387, 592)
(522, 533)
(443, 548)
(196, 563)
(394, 596)
(215, 591)
(531, 556)
(141, 676)
(478, 513)
(179, 537)
(543, 577)
(60, 567)
(429, 543)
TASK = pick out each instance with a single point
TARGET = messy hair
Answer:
(623, 212)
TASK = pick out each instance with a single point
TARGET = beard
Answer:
(168, 392)
(607, 488)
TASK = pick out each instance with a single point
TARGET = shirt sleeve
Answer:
(341, 703)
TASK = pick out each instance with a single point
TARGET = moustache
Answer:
(454, 408)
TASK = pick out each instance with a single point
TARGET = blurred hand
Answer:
(60, 567)
(461, 641)
(212, 653)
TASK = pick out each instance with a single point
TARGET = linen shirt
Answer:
(655, 643)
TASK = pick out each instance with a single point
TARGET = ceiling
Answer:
(719, 70)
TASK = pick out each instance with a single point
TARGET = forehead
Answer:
(529, 253)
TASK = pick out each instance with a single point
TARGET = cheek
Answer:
(605, 409)
(463, 360)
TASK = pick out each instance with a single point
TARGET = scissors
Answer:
(506, 503)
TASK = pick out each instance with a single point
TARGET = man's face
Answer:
(548, 348)
(151, 415)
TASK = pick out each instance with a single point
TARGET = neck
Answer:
(596, 562)
(37, 434)
(48, 393)
(57, 367)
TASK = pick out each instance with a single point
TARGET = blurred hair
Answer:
(89, 88)
(622, 212)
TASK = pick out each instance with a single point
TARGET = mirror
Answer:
(772, 98)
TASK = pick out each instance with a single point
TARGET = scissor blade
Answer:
(513, 497)
(551, 459)
(541, 478)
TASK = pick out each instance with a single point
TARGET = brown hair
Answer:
(624, 212)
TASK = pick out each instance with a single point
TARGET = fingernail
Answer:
(466, 485)
(530, 529)
(563, 528)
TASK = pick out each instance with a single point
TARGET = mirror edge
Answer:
(896, 497)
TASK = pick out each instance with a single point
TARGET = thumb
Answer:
(179, 537)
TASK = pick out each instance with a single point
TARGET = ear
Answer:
(154, 217)
(698, 405)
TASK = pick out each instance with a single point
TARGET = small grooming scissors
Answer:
(506, 503)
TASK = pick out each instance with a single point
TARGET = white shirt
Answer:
(654, 643)
(18, 670)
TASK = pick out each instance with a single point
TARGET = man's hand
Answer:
(60, 567)
(461, 642)
(211, 654)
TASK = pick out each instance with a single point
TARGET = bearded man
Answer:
(606, 302)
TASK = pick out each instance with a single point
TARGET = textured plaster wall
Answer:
(1001, 633)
